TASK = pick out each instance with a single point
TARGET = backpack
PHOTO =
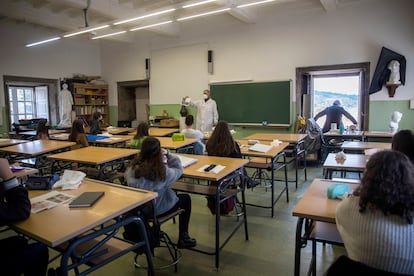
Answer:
(225, 207)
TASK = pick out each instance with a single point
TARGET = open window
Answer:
(317, 87)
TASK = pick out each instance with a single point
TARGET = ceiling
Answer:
(66, 16)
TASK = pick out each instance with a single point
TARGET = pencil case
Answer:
(178, 137)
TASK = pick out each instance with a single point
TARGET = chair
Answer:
(323, 232)
(344, 266)
(261, 166)
(295, 153)
(164, 241)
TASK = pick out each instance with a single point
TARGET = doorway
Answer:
(133, 102)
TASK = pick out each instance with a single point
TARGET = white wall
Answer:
(274, 48)
(58, 59)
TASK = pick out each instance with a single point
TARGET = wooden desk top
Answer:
(285, 137)
(168, 143)
(231, 165)
(94, 155)
(114, 139)
(60, 224)
(51, 131)
(38, 147)
(356, 133)
(154, 131)
(358, 145)
(5, 142)
(315, 203)
(244, 147)
(352, 161)
(381, 134)
(119, 130)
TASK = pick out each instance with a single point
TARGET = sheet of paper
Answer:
(260, 148)
(186, 161)
(49, 200)
(217, 169)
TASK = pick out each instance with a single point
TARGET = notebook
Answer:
(260, 147)
(186, 161)
(86, 199)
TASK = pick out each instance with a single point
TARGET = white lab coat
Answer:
(207, 114)
(65, 107)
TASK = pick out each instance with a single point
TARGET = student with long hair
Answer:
(403, 141)
(142, 133)
(221, 142)
(77, 134)
(42, 130)
(94, 125)
(148, 171)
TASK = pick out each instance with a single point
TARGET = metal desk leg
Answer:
(298, 245)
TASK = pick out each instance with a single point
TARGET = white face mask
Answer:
(205, 96)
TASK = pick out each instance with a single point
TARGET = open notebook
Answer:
(260, 147)
(186, 161)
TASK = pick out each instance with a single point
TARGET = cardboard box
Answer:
(170, 123)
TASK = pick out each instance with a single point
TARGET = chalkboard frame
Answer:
(237, 97)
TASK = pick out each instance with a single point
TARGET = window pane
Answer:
(28, 94)
(20, 94)
(29, 107)
(22, 117)
(11, 109)
(10, 94)
(20, 108)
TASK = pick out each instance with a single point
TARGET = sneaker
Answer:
(185, 241)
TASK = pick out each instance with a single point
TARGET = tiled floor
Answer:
(269, 250)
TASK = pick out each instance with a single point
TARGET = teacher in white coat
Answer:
(207, 114)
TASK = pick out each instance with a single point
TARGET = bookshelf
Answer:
(89, 98)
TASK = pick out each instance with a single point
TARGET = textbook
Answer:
(86, 199)
(186, 161)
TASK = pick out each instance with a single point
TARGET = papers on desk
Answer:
(48, 201)
(70, 180)
(216, 169)
(186, 161)
(260, 147)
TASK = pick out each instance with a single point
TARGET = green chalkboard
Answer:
(253, 102)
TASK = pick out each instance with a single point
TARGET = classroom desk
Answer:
(30, 134)
(168, 143)
(10, 142)
(233, 168)
(313, 206)
(297, 140)
(120, 130)
(155, 131)
(347, 135)
(25, 172)
(59, 225)
(102, 158)
(112, 141)
(35, 149)
(358, 146)
(277, 159)
(378, 135)
(353, 162)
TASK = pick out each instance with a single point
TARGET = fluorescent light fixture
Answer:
(107, 35)
(43, 41)
(150, 26)
(202, 14)
(144, 16)
(198, 3)
(255, 3)
(87, 30)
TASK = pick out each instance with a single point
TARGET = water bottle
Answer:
(341, 129)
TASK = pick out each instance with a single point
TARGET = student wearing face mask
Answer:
(207, 114)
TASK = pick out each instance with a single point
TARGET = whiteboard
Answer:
(178, 72)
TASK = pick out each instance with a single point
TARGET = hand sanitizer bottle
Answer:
(341, 128)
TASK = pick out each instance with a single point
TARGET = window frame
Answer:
(304, 86)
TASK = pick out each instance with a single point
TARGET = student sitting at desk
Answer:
(42, 130)
(149, 172)
(77, 134)
(403, 141)
(17, 256)
(221, 142)
(376, 221)
(334, 115)
(189, 132)
(142, 133)
(94, 125)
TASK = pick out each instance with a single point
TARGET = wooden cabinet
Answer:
(89, 98)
